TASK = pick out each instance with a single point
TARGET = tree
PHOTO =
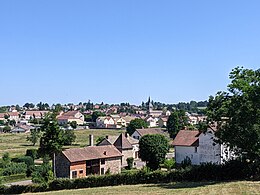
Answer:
(43, 174)
(28, 105)
(176, 121)
(73, 124)
(69, 137)
(153, 149)
(137, 123)
(237, 113)
(6, 129)
(52, 139)
(12, 122)
(96, 114)
(35, 135)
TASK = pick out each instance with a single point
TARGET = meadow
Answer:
(16, 144)
(238, 187)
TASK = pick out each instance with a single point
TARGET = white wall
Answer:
(208, 150)
(136, 135)
(181, 152)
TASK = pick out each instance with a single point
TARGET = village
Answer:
(112, 153)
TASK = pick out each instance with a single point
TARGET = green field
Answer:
(17, 145)
(241, 187)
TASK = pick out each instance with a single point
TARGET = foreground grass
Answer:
(16, 144)
(240, 187)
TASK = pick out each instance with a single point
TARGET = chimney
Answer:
(105, 153)
(126, 134)
(91, 140)
(106, 136)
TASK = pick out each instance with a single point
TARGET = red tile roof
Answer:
(91, 153)
(122, 142)
(70, 113)
(187, 138)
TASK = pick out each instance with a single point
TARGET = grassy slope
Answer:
(241, 187)
(16, 144)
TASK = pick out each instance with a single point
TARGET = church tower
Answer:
(149, 106)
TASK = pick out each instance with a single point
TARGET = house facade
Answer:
(151, 121)
(71, 116)
(105, 122)
(162, 122)
(199, 147)
(83, 162)
(35, 114)
(128, 146)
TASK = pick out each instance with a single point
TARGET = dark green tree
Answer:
(6, 129)
(176, 121)
(137, 123)
(52, 139)
(69, 137)
(153, 149)
(237, 113)
(35, 135)
(97, 114)
(73, 124)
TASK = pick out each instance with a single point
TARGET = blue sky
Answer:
(123, 51)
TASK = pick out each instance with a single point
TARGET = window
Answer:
(81, 172)
(74, 174)
(196, 149)
(103, 161)
(102, 171)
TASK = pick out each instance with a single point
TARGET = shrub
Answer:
(14, 168)
(207, 171)
(42, 174)
(130, 163)
(186, 162)
(32, 153)
(26, 159)
(169, 164)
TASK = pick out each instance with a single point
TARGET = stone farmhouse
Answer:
(128, 146)
(200, 147)
(91, 160)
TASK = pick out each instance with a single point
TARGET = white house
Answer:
(119, 121)
(199, 147)
(162, 122)
(151, 121)
(105, 122)
(71, 116)
(35, 114)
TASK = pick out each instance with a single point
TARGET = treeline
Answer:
(192, 106)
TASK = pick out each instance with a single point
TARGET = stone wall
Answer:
(114, 164)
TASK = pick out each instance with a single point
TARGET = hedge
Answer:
(232, 170)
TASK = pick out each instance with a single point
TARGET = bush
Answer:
(42, 174)
(26, 159)
(232, 170)
(130, 163)
(186, 162)
(169, 164)
(32, 153)
(14, 168)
